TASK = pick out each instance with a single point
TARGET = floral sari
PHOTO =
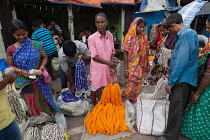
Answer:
(196, 122)
(137, 48)
(36, 93)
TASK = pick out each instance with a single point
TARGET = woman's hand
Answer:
(195, 97)
(126, 74)
(25, 73)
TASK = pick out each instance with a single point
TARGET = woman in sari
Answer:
(26, 55)
(161, 48)
(196, 122)
(135, 47)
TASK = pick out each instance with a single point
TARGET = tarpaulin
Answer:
(189, 11)
(95, 2)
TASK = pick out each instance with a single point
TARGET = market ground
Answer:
(76, 124)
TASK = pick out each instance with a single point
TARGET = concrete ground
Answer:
(75, 124)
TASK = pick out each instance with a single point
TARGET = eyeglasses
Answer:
(207, 28)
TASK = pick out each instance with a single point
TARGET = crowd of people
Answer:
(175, 52)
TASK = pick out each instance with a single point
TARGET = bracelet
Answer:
(196, 95)
(207, 73)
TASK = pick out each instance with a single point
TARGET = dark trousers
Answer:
(178, 98)
(11, 132)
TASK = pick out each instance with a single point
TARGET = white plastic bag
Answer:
(61, 120)
(152, 116)
(152, 109)
(39, 119)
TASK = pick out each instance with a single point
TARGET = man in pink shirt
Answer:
(101, 46)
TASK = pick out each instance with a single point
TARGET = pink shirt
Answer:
(104, 48)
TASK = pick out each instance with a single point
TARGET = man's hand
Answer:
(72, 88)
(112, 71)
(168, 89)
(113, 65)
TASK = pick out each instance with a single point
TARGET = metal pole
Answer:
(70, 21)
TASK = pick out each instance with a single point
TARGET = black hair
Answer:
(69, 48)
(87, 28)
(140, 21)
(17, 25)
(35, 24)
(52, 19)
(174, 18)
(40, 17)
(163, 25)
(208, 20)
(112, 28)
(55, 30)
(101, 14)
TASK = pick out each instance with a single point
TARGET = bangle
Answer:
(42, 67)
(196, 95)
(21, 71)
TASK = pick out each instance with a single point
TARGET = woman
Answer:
(26, 55)
(161, 48)
(135, 47)
(196, 122)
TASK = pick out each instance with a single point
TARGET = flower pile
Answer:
(108, 115)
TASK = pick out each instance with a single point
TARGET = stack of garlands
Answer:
(108, 115)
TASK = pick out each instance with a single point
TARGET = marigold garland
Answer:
(108, 115)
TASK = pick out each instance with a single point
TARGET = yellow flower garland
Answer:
(108, 115)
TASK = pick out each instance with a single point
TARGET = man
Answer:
(67, 56)
(183, 73)
(45, 36)
(9, 129)
(58, 29)
(102, 50)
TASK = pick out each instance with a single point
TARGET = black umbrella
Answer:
(205, 10)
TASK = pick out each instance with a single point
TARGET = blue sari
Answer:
(27, 57)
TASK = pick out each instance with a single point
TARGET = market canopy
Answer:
(95, 3)
(189, 11)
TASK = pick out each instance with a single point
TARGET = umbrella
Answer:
(205, 9)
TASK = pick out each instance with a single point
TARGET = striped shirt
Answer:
(45, 36)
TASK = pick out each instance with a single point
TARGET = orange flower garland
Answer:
(108, 115)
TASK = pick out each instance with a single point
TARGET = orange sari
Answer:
(137, 48)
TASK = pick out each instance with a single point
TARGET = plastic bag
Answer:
(55, 63)
(130, 110)
(3, 65)
(61, 120)
(39, 119)
(23, 126)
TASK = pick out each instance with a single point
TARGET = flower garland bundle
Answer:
(108, 115)
(81, 76)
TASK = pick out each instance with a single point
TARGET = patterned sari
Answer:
(137, 48)
(162, 54)
(36, 93)
(196, 122)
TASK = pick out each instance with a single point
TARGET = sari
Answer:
(36, 93)
(161, 55)
(137, 48)
(196, 123)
